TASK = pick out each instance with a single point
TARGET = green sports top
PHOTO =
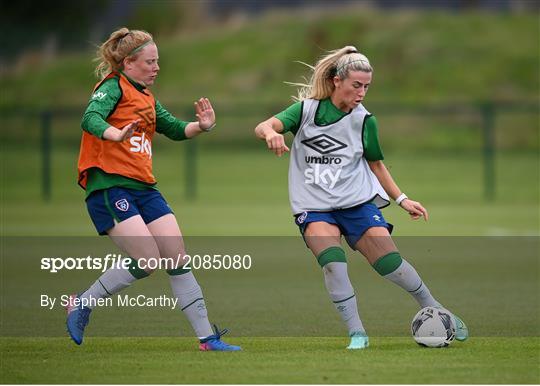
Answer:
(94, 121)
(328, 114)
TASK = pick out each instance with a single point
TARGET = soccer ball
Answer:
(433, 327)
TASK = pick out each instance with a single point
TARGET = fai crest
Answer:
(122, 205)
(300, 219)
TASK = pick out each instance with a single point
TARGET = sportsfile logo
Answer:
(323, 144)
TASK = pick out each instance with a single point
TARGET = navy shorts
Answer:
(108, 207)
(352, 222)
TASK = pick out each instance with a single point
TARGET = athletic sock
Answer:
(339, 287)
(112, 281)
(396, 269)
(190, 300)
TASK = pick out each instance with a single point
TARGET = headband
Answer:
(351, 62)
(136, 49)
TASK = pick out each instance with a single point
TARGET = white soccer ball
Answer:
(433, 327)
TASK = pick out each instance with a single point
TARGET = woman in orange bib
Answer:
(115, 169)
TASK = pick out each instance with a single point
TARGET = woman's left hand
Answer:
(415, 209)
(205, 114)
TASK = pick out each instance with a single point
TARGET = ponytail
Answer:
(121, 44)
(336, 63)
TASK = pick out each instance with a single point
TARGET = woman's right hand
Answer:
(269, 131)
(276, 143)
(119, 135)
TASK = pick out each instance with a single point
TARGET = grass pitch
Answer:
(243, 192)
(268, 361)
(280, 314)
(279, 311)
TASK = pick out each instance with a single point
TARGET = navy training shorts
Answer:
(108, 207)
(352, 222)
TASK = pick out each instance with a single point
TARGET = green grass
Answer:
(243, 192)
(491, 282)
(417, 56)
(268, 361)
(421, 59)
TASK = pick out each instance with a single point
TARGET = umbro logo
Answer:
(324, 144)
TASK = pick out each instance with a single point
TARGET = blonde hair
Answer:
(336, 63)
(121, 44)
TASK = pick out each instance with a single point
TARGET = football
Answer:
(433, 327)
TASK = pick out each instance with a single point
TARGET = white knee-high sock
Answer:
(342, 294)
(112, 281)
(400, 272)
(191, 301)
